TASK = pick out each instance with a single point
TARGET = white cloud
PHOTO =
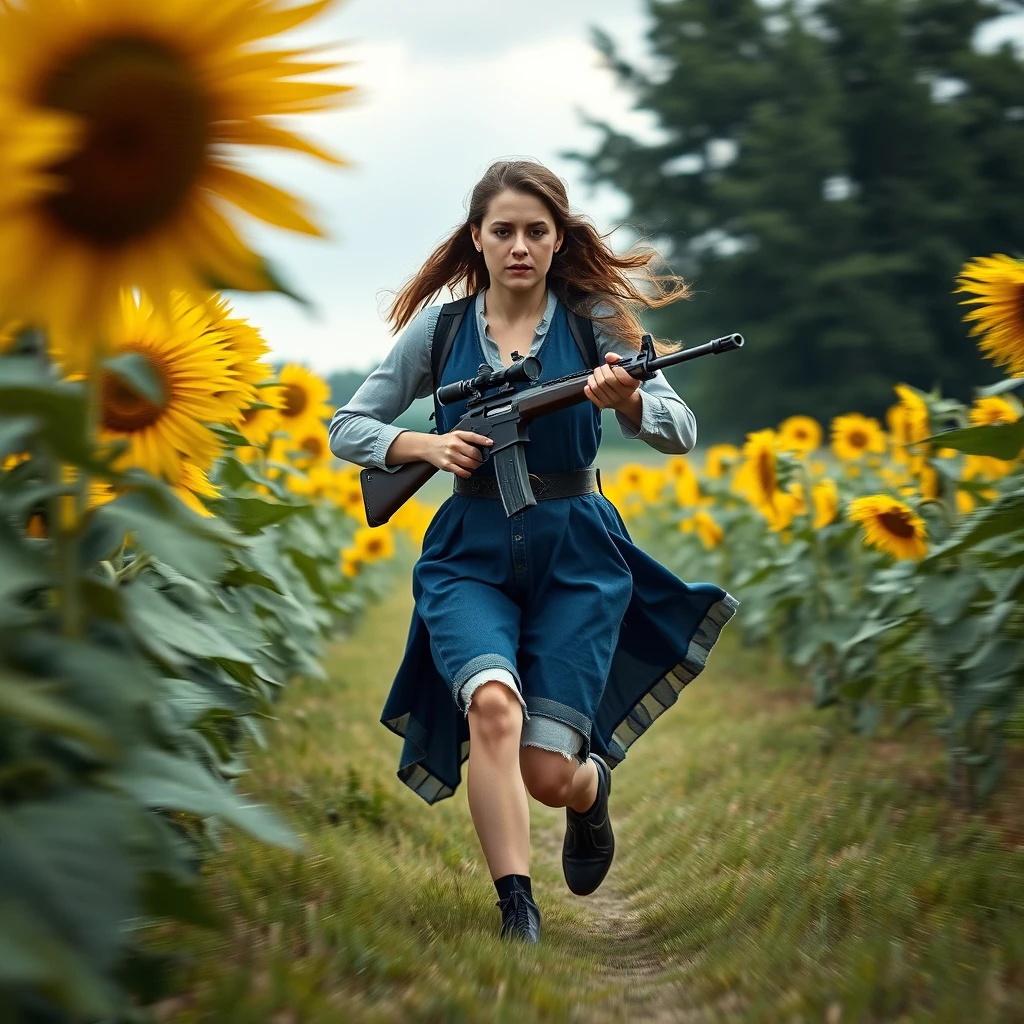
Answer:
(429, 120)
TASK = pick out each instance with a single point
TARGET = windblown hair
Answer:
(585, 273)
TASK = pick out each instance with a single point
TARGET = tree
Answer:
(825, 171)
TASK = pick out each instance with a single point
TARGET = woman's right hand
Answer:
(457, 451)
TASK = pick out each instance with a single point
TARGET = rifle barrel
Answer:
(724, 344)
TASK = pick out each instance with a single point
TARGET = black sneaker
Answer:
(589, 844)
(520, 917)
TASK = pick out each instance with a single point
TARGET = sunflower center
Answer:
(313, 445)
(897, 524)
(373, 546)
(146, 123)
(857, 439)
(766, 472)
(295, 400)
(123, 409)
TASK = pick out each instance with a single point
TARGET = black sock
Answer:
(507, 883)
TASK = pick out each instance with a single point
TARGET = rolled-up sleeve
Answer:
(667, 423)
(362, 431)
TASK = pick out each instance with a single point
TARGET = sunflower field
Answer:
(889, 566)
(175, 543)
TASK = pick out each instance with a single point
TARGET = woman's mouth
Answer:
(519, 268)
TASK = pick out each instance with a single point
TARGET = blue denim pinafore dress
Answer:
(598, 635)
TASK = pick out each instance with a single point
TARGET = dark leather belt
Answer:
(545, 485)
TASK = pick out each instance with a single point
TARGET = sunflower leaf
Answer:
(999, 440)
(229, 435)
(251, 515)
(136, 372)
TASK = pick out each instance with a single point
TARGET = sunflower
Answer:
(987, 411)
(351, 563)
(630, 477)
(998, 283)
(245, 349)
(825, 497)
(167, 435)
(757, 478)
(303, 399)
(709, 531)
(687, 486)
(7, 336)
(984, 467)
(854, 435)
(31, 141)
(258, 423)
(719, 458)
(890, 525)
(785, 507)
(799, 434)
(373, 543)
(908, 423)
(159, 94)
(965, 502)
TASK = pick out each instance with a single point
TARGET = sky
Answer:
(444, 87)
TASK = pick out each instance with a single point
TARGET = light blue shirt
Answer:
(362, 431)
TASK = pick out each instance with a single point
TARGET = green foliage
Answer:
(941, 638)
(823, 174)
(141, 645)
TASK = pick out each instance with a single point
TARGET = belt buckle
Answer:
(538, 485)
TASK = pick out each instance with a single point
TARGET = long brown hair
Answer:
(585, 273)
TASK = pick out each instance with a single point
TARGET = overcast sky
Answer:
(445, 88)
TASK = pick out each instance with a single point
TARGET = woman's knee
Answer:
(495, 714)
(548, 775)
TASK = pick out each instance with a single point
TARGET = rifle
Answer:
(505, 416)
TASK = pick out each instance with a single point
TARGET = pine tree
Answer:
(825, 172)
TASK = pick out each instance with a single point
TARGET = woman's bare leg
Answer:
(494, 784)
(554, 781)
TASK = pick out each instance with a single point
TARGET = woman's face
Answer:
(518, 239)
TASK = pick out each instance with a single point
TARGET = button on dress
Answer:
(598, 634)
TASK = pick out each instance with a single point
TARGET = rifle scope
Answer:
(523, 368)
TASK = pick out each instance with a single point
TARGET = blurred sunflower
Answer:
(167, 435)
(31, 141)
(258, 423)
(719, 458)
(245, 350)
(998, 283)
(157, 92)
(374, 542)
(351, 563)
(987, 411)
(890, 525)
(825, 498)
(312, 446)
(629, 477)
(984, 467)
(908, 423)
(303, 399)
(7, 336)
(800, 434)
(855, 435)
(707, 528)
(965, 502)
(757, 478)
(687, 486)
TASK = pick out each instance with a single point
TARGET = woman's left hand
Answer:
(611, 388)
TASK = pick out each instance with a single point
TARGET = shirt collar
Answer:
(542, 326)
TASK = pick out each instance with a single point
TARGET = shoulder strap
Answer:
(582, 330)
(448, 323)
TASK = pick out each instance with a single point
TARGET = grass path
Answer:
(770, 868)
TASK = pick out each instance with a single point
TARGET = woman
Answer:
(542, 644)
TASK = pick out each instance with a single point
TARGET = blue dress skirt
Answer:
(598, 635)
